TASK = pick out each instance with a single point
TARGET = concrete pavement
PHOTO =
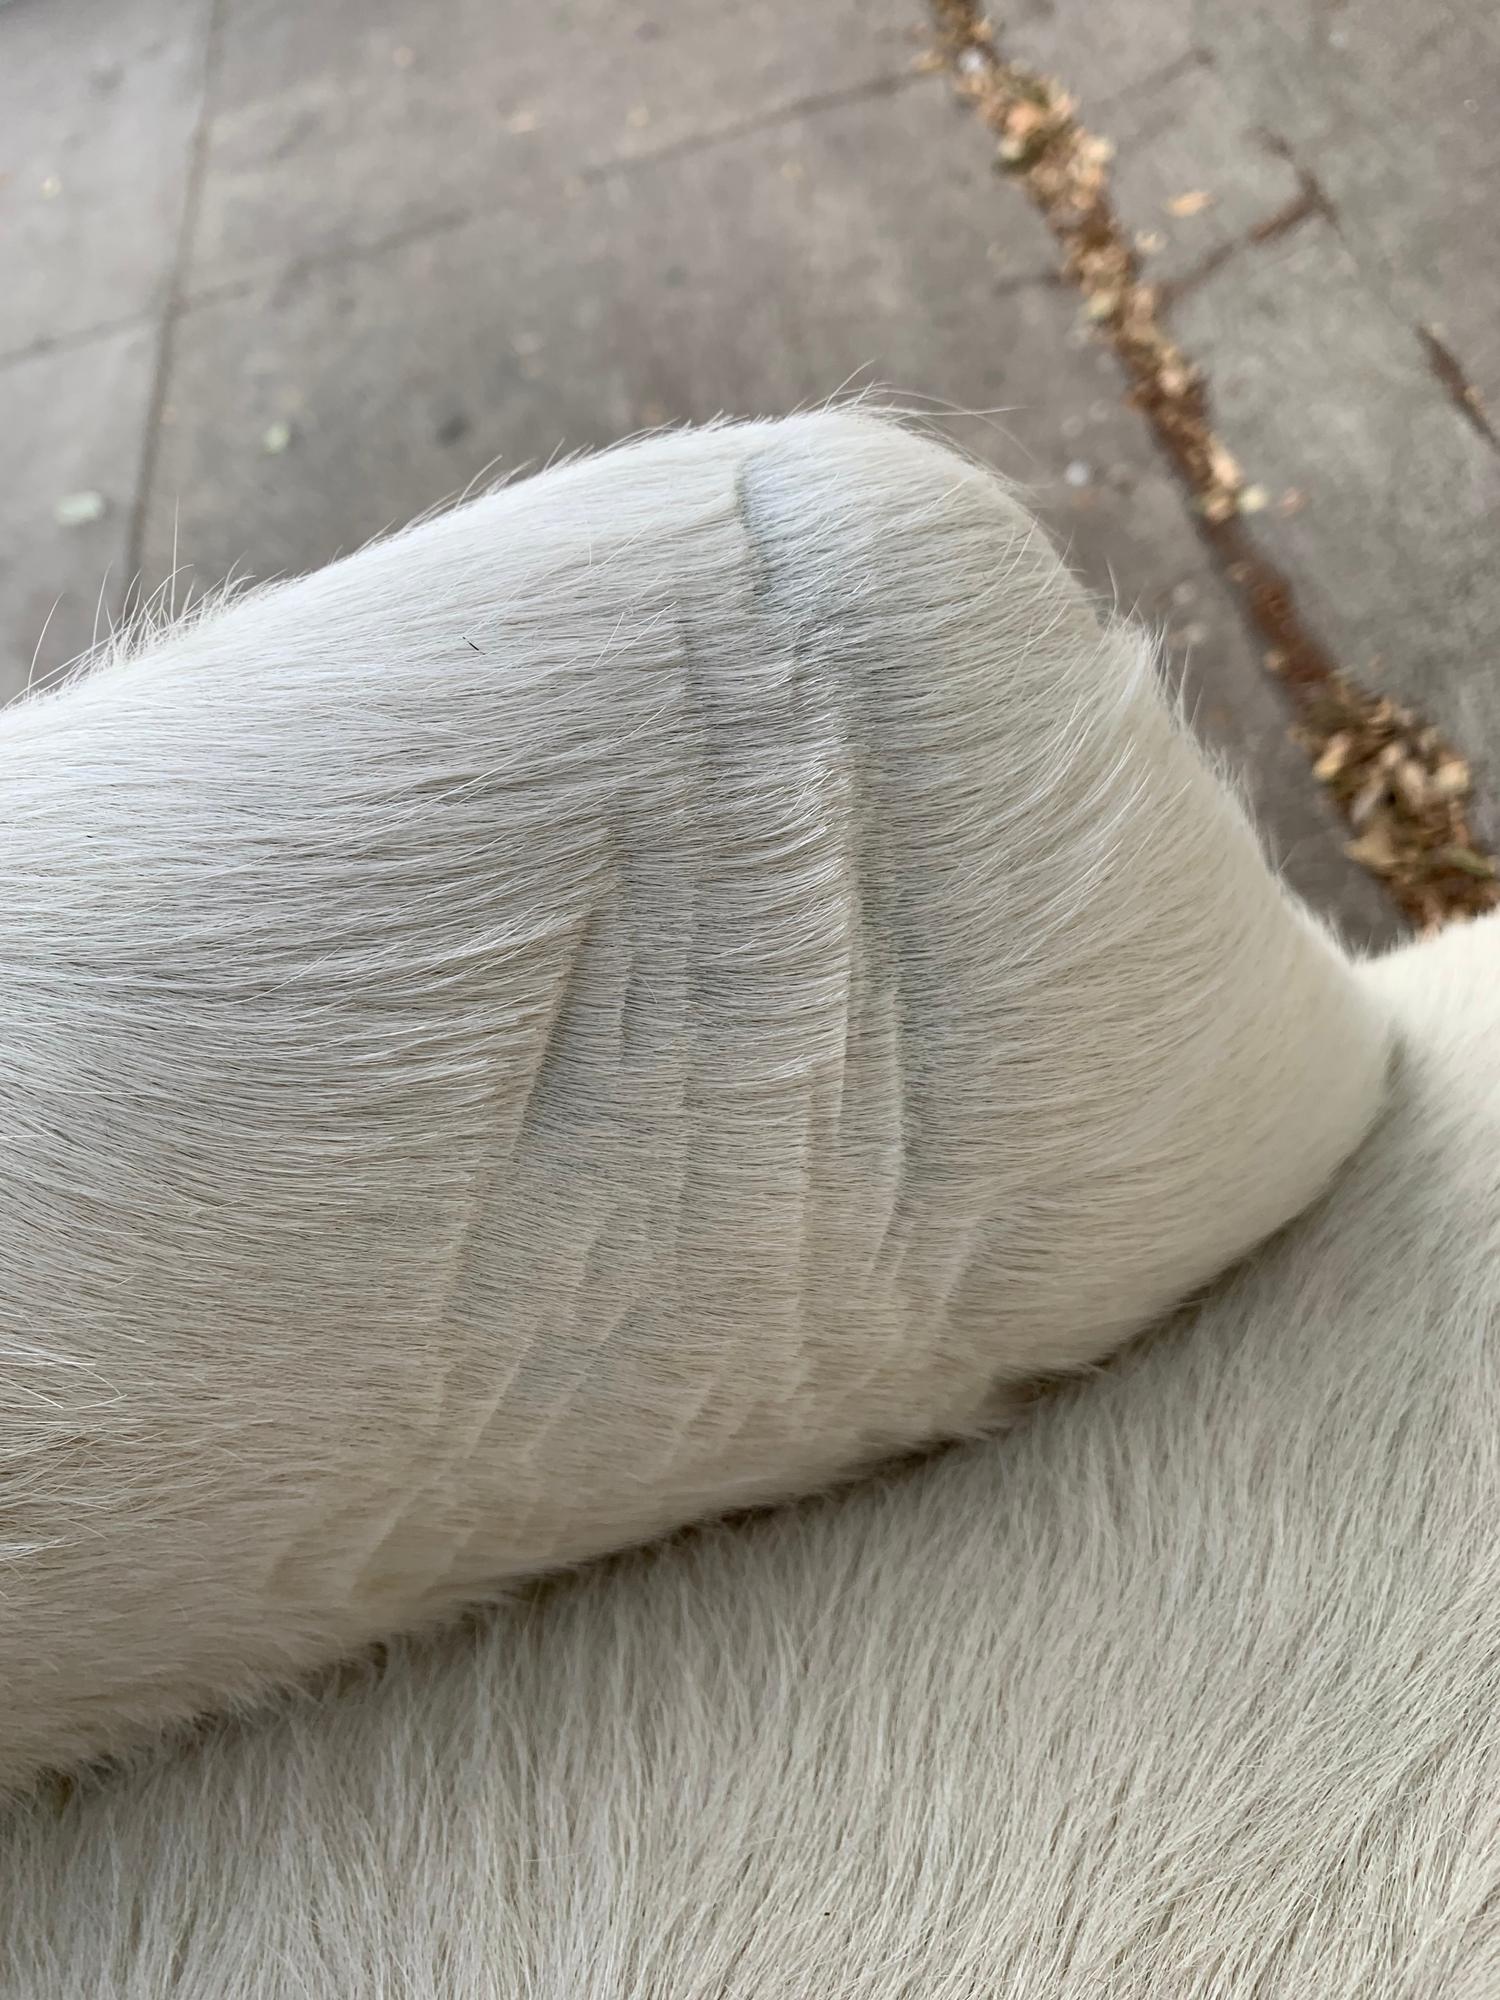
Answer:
(278, 276)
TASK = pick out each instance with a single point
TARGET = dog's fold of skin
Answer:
(643, 995)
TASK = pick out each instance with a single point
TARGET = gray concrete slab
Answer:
(99, 100)
(1393, 554)
(1192, 176)
(1392, 108)
(344, 124)
(72, 421)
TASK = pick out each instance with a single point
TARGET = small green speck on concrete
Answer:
(76, 510)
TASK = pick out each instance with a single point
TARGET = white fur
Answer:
(642, 995)
(1188, 1689)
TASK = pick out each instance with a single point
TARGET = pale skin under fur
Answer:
(645, 994)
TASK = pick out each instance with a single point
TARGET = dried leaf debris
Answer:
(1405, 794)
(1403, 790)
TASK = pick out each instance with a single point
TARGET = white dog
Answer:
(643, 995)
(777, 1046)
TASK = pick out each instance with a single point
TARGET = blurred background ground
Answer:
(280, 273)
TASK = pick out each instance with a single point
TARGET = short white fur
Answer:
(645, 994)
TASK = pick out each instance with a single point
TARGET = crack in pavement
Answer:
(764, 120)
(1154, 79)
(1403, 790)
(82, 336)
(1446, 366)
(1310, 202)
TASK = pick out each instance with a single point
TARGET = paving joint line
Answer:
(756, 121)
(83, 336)
(592, 174)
